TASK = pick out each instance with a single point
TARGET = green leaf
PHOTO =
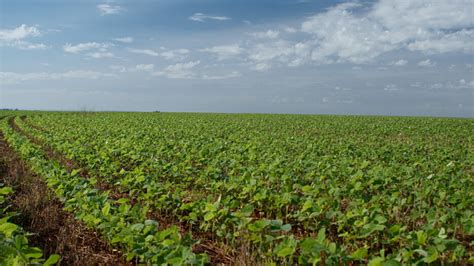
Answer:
(8, 228)
(431, 256)
(442, 233)
(307, 205)
(377, 261)
(286, 227)
(360, 254)
(421, 237)
(321, 235)
(106, 209)
(53, 259)
(6, 191)
(137, 227)
(209, 216)
(33, 253)
(286, 248)
(391, 263)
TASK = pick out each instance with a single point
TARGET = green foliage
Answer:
(306, 189)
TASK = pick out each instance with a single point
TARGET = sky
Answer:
(384, 57)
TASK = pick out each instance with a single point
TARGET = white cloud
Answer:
(118, 68)
(106, 9)
(13, 77)
(179, 71)
(426, 63)
(234, 74)
(290, 29)
(18, 33)
(359, 33)
(445, 42)
(224, 51)
(136, 68)
(436, 86)
(414, 15)
(31, 46)
(268, 51)
(145, 67)
(99, 55)
(400, 62)
(200, 17)
(262, 66)
(461, 84)
(15, 38)
(177, 54)
(283, 52)
(24, 45)
(144, 51)
(82, 47)
(124, 39)
(343, 35)
(269, 34)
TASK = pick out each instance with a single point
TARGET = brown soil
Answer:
(54, 230)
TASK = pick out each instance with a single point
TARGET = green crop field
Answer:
(186, 188)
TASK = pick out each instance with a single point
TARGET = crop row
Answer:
(14, 246)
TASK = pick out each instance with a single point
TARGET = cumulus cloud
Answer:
(18, 33)
(348, 33)
(175, 54)
(106, 9)
(94, 49)
(24, 45)
(136, 68)
(124, 39)
(445, 42)
(262, 66)
(145, 67)
(200, 17)
(82, 47)
(179, 71)
(14, 77)
(16, 38)
(426, 63)
(99, 55)
(359, 33)
(400, 62)
(290, 29)
(461, 84)
(281, 51)
(224, 51)
(144, 51)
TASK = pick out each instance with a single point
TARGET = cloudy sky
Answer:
(385, 57)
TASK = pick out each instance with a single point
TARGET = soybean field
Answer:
(246, 189)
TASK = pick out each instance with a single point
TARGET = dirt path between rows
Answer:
(54, 230)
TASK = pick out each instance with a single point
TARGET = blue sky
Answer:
(385, 57)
